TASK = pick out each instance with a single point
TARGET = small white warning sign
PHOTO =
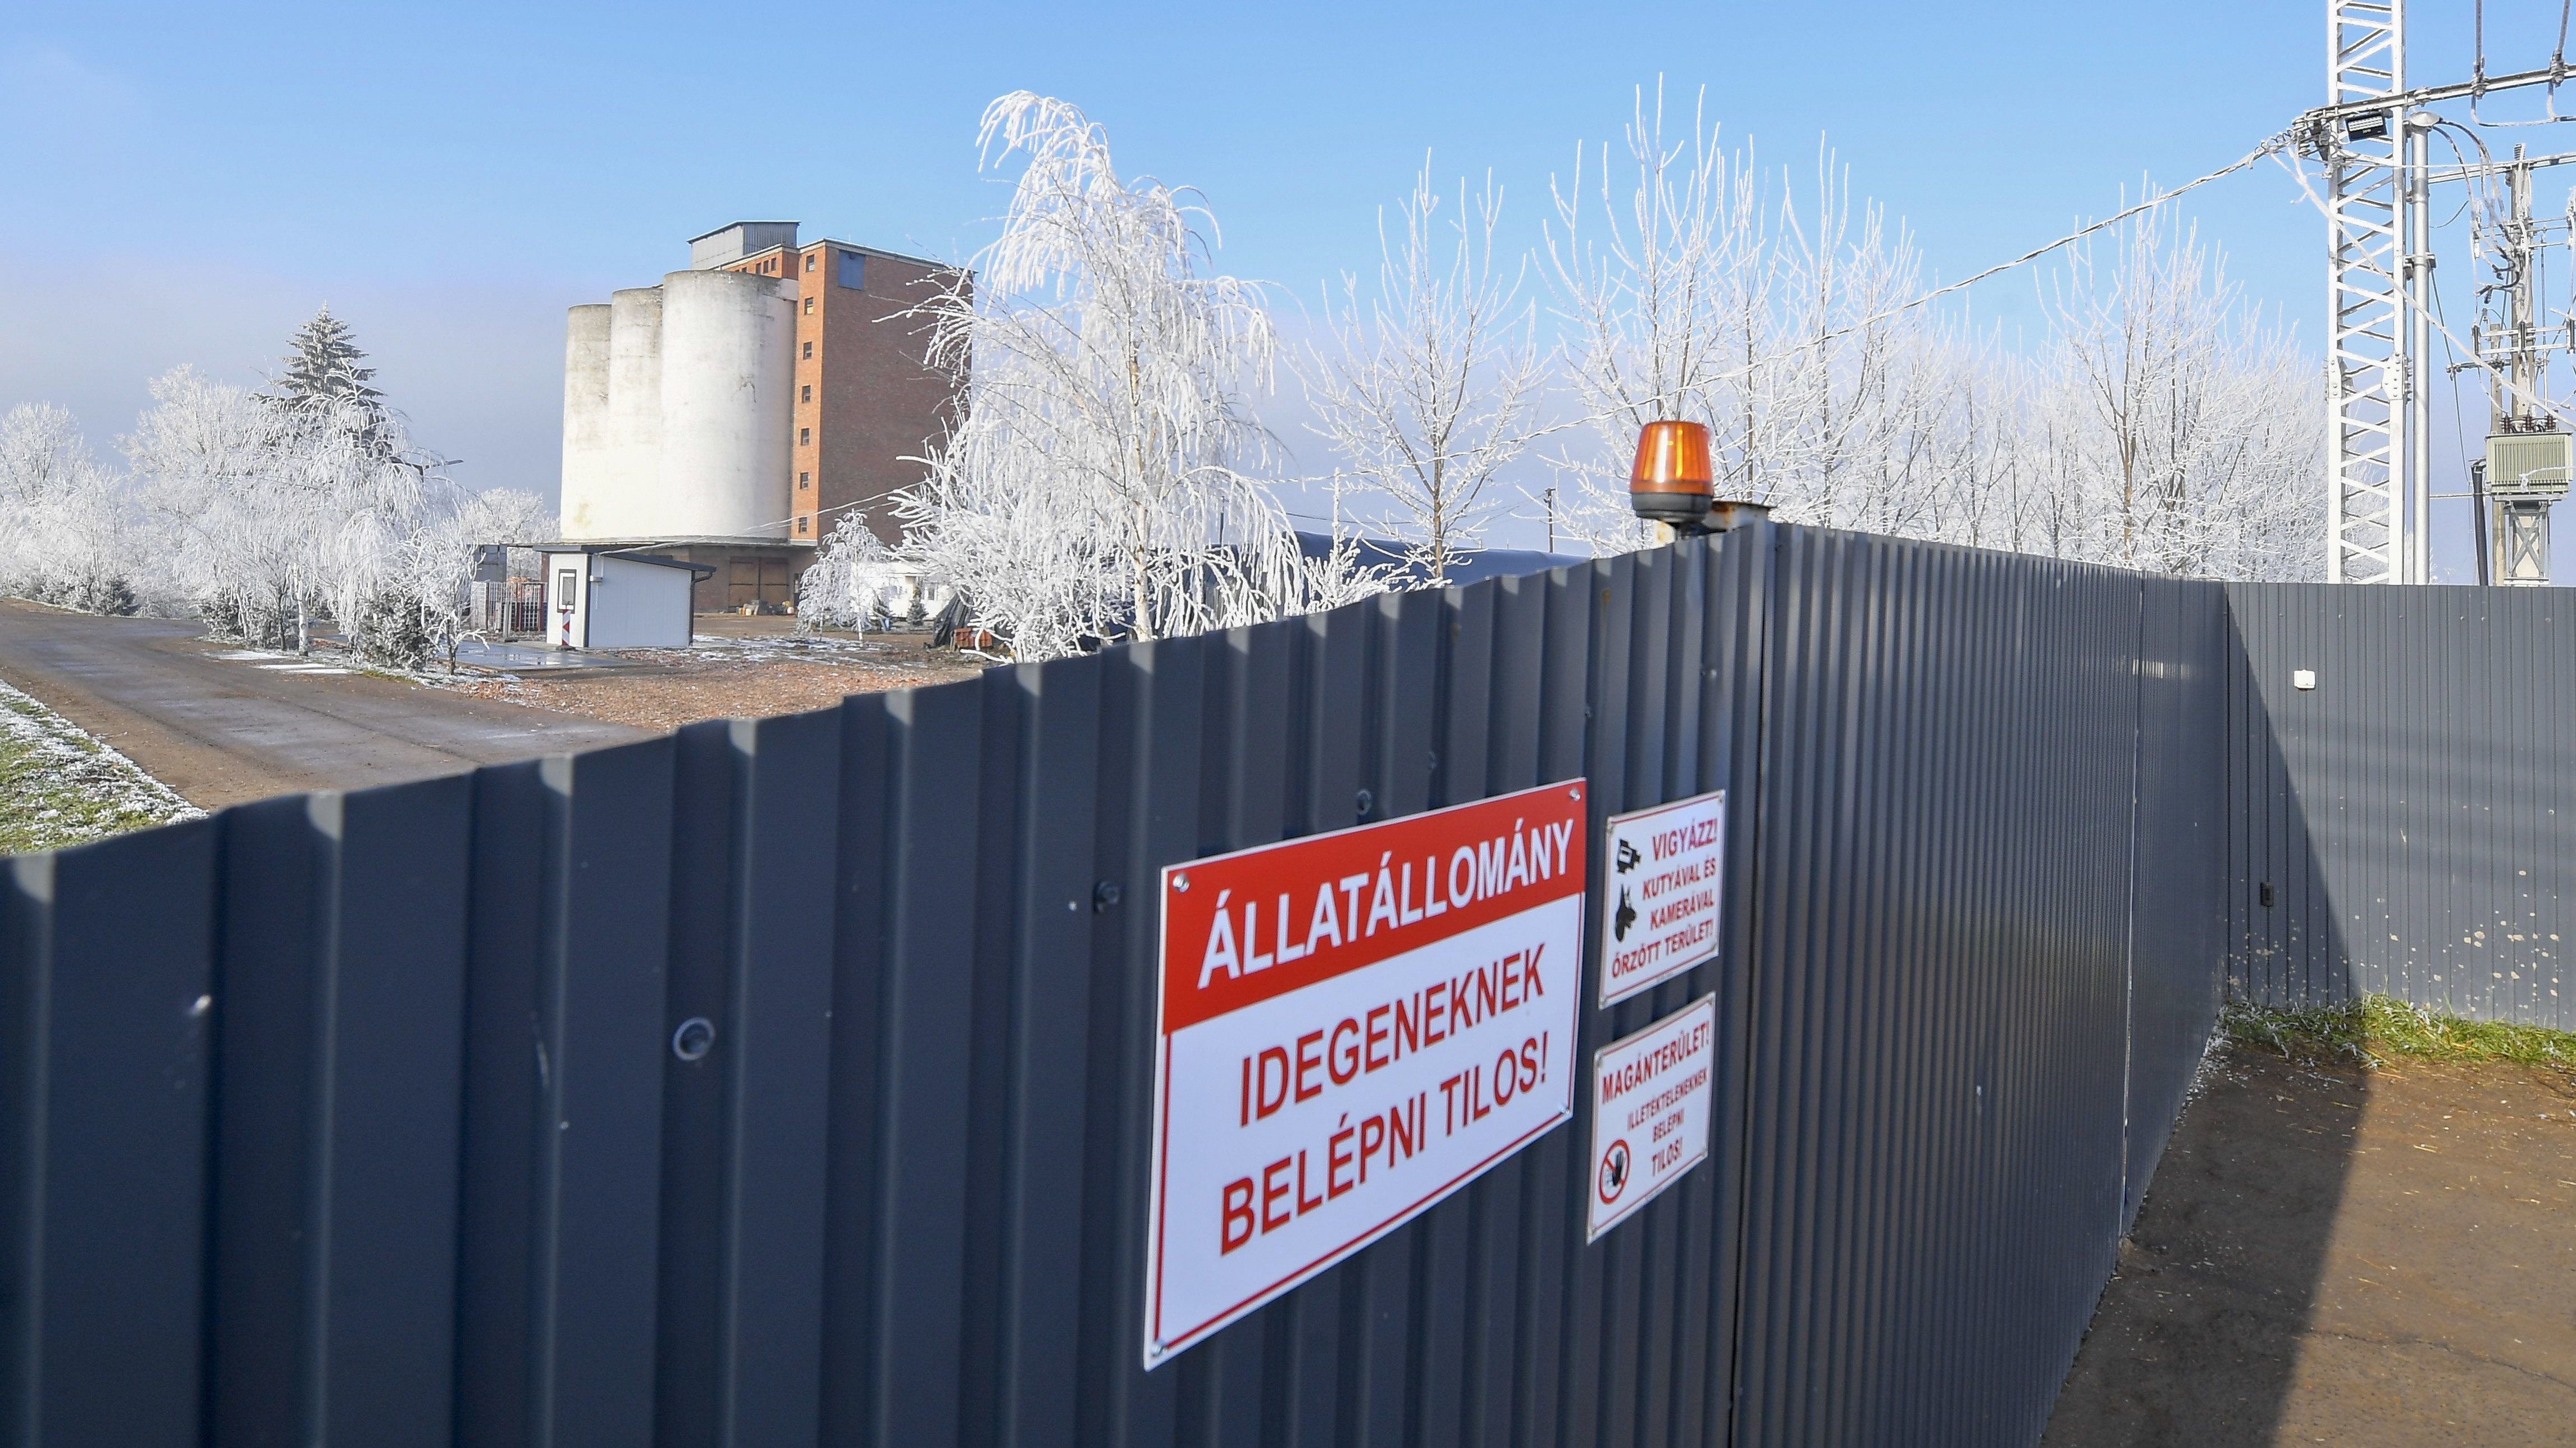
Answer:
(1650, 1104)
(1661, 893)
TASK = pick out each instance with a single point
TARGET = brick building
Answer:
(866, 400)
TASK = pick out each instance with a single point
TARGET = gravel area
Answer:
(726, 678)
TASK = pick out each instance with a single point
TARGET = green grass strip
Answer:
(2375, 1030)
(59, 786)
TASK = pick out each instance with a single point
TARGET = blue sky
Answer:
(183, 183)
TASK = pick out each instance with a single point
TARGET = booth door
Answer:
(567, 598)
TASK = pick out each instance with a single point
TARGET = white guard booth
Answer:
(599, 599)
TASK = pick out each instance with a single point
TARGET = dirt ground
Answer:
(741, 668)
(2333, 1256)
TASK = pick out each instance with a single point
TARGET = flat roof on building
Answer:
(730, 225)
(921, 261)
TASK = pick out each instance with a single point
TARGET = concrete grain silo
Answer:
(587, 464)
(631, 491)
(728, 374)
(732, 415)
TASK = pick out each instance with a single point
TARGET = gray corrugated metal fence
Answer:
(2414, 814)
(357, 1119)
(1986, 965)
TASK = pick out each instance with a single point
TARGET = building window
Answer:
(809, 349)
(809, 261)
(854, 271)
(809, 393)
(804, 480)
(801, 524)
(804, 437)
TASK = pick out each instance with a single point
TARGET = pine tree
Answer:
(325, 370)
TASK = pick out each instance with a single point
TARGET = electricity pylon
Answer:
(2372, 136)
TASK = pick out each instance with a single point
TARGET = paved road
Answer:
(220, 731)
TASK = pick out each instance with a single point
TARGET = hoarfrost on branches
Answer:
(2160, 424)
(269, 513)
(1427, 384)
(324, 371)
(2178, 433)
(272, 515)
(836, 590)
(432, 571)
(64, 538)
(1096, 486)
(856, 584)
(1661, 308)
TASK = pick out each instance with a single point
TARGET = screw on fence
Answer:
(695, 1037)
(1105, 894)
(1365, 800)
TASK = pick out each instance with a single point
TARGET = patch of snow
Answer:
(61, 759)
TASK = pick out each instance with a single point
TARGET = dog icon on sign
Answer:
(1625, 917)
(1614, 1172)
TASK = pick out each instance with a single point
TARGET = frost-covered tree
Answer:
(2157, 423)
(204, 458)
(324, 373)
(1098, 484)
(64, 534)
(270, 518)
(433, 570)
(2182, 431)
(846, 585)
(1427, 383)
(1664, 294)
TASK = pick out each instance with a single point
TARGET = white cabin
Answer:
(599, 599)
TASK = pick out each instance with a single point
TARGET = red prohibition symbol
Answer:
(1614, 1172)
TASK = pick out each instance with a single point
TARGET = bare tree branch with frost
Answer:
(1658, 306)
(1094, 487)
(2183, 430)
(2160, 426)
(1427, 386)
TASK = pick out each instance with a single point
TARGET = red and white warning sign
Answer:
(1662, 889)
(1353, 1026)
(1650, 1104)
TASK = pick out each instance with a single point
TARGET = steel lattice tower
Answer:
(2372, 535)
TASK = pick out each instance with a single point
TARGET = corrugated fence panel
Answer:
(2179, 918)
(2408, 825)
(787, 1082)
(1942, 989)
(105, 1043)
